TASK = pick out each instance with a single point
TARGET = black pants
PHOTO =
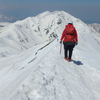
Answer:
(68, 50)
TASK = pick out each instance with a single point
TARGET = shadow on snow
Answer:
(77, 62)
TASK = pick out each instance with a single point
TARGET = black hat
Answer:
(70, 23)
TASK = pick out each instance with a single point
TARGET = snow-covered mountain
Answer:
(24, 34)
(95, 26)
(4, 26)
(4, 18)
(37, 71)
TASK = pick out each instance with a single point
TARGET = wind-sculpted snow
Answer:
(31, 31)
(4, 26)
(95, 26)
(40, 72)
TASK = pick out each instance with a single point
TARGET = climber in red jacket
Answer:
(70, 39)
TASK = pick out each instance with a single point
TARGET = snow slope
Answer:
(47, 76)
(31, 31)
(40, 72)
(4, 26)
(95, 26)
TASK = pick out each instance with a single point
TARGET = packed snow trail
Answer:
(14, 70)
(41, 73)
(56, 79)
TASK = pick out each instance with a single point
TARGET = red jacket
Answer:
(72, 38)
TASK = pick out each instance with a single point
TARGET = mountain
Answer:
(4, 18)
(34, 30)
(32, 67)
(3, 26)
(95, 26)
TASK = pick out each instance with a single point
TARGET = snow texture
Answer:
(95, 26)
(32, 67)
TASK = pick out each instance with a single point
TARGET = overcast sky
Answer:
(86, 10)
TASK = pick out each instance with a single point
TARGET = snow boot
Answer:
(67, 59)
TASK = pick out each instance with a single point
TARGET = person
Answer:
(70, 39)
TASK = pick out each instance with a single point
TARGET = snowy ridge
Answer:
(46, 75)
(4, 26)
(95, 26)
(40, 72)
(24, 34)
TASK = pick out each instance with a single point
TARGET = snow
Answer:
(40, 72)
(95, 26)
(4, 26)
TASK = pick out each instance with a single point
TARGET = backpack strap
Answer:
(69, 33)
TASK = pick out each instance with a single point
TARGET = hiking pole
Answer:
(60, 47)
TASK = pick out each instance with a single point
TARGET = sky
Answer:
(86, 10)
